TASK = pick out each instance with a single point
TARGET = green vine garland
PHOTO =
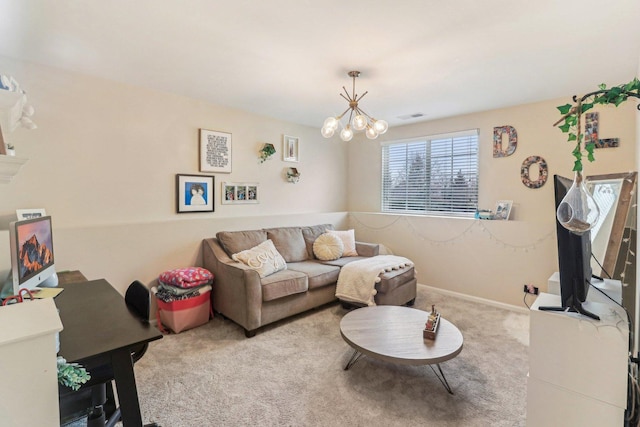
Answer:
(71, 375)
(572, 114)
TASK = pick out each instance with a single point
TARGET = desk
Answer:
(100, 330)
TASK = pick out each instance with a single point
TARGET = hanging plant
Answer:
(266, 151)
(572, 115)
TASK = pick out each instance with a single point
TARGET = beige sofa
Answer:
(241, 295)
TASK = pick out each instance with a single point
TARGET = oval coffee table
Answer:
(394, 334)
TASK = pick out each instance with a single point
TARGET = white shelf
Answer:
(9, 167)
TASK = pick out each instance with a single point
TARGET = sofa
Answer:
(306, 282)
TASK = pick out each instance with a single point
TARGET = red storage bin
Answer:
(184, 314)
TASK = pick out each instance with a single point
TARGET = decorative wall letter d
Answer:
(497, 141)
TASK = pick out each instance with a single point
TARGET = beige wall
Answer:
(488, 259)
(104, 157)
(103, 163)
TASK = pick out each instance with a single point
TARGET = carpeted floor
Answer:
(291, 374)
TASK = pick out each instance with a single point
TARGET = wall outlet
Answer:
(530, 289)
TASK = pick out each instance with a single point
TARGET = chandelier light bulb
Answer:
(359, 122)
(327, 132)
(346, 134)
(331, 123)
(380, 126)
(371, 132)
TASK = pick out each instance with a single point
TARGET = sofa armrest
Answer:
(237, 290)
(367, 249)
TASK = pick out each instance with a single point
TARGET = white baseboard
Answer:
(510, 307)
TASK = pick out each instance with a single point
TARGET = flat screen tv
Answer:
(32, 260)
(574, 259)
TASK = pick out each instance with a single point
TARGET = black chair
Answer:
(99, 389)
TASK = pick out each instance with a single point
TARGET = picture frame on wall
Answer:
(194, 193)
(290, 148)
(503, 209)
(23, 214)
(240, 193)
(215, 151)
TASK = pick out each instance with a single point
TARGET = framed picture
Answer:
(194, 193)
(215, 151)
(23, 214)
(290, 148)
(239, 193)
(503, 209)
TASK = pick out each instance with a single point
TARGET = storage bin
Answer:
(184, 314)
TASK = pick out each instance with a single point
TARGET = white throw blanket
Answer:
(357, 279)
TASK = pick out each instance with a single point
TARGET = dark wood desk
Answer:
(100, 330)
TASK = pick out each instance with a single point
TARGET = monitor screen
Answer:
(32, 260)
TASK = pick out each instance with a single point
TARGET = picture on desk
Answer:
(35, 246)
(194, 193)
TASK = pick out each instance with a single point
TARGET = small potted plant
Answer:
(71, 375)
(266, 152)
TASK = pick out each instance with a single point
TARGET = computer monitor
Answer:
(32, 260)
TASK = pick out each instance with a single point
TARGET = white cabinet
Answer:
(577, 365)
(28, 368)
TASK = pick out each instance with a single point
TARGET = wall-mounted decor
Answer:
(543, 171)
(215, 151)
(266, 152)
(23, 214)
(194, 193)
(293, 175)
(238, 193)
(503, 209)
(512, 137)
(591, 127)
(290, 148)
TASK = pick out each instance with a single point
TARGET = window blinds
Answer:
(436, 175)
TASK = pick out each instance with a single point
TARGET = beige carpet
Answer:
(291, 374)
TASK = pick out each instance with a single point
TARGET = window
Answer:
(436, 175)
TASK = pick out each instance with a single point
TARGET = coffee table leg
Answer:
(354, 358)
(441, 377)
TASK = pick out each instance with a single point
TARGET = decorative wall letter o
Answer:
(497, 141)
(542, 166)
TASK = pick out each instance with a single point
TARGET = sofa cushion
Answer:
(319, 274)
(348, 238)
(328, 247)
(289, 242)
(236, 241)
(284, 283)
(263, 258)
(311, 233)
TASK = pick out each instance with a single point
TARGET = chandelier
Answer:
(358, 119)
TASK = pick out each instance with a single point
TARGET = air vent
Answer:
(411, 116)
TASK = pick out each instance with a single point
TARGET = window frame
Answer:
(449, 202)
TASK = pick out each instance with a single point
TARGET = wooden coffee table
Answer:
(394, 334)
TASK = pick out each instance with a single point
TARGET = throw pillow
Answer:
(348, 238)
(264, 258)
(328, 247)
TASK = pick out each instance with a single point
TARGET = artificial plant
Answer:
(266, 151)
(71, 375)
(572, 114)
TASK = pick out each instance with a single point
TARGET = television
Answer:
(32, 260)
(574, 259)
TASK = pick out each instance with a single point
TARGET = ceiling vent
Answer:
(411, 116)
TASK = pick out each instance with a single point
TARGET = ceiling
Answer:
(289, 59)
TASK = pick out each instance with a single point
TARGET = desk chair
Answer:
(138, 300)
